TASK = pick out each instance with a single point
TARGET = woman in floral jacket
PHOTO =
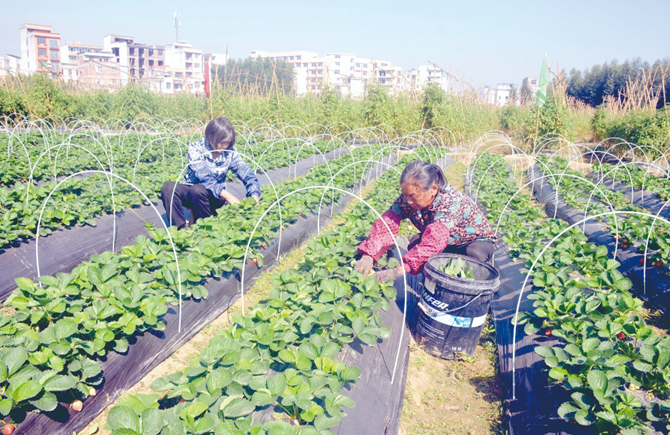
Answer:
(449, 221)
(203, 189)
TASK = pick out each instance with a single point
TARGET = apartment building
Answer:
(186, 70)
(503, 95)
(40, 50)
(138, 63)
(9, 65)
(342, 71)
(69, 53)
(533, 83)
(417, 79)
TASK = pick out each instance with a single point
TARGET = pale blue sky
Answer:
(488, 41)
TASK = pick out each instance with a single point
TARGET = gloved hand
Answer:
(364, 265)
(387, 275)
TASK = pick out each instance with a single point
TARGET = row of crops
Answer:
(54, 333)
(597, 344)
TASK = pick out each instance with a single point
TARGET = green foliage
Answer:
(433, 99)
(610, 79)
(260, 76)
(553, 119)
(641, 127)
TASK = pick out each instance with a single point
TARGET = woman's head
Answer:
(420, 181)
(220, 133)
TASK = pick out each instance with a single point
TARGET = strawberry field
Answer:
(66, 336)
(99, 291)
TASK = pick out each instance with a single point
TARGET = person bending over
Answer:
(203, 189)
(448, 221)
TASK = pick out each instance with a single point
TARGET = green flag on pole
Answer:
(545, 76)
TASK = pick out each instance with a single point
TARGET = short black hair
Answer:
(220, 130)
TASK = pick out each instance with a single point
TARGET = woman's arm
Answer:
(380, 238)
(246, 176)
(433, 241)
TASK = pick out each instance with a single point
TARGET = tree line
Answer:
(614, 79)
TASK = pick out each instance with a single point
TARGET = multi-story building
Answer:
(10, 65)
(342, 71)
(40, 50)
(138, 63)
(98, 70)
(503, 95)
(185, 70)
(69, 62)
(533, 83)
(417, 79)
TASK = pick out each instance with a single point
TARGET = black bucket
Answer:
(452, 311)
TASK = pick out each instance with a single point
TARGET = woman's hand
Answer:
(364, 265)
(390, 274)
(232, 199)
(255, 197)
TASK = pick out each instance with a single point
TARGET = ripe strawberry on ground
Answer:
(547, 332)
(8, 429)
(77, 405)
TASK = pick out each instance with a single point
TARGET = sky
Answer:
(486, 42)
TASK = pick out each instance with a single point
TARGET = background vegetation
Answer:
(624, 101)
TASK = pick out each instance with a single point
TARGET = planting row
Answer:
(52, 335)
(281, 357)
(633, 230)
(615, 368)
(81, 200)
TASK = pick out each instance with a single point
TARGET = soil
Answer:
(462, 396)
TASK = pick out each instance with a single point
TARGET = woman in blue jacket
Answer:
(203, 189)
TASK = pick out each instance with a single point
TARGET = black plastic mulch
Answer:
(657, 291)
(64, 249)
(533, 407)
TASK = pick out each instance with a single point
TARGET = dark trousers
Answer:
(479, 250)
(200, 200)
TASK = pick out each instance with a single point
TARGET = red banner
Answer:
(207, 84)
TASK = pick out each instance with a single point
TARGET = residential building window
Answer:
(337, 71)
(55, 66)
(337, 64)
(167, 85)
(365, 65)
(54, 55)
(42, 52)
(358, 65)
(151, 52)
(365, 73)
(43, 64)
(351, 68)
(272, 58)
(320, 63)
(197, 65)
(98, 69)
(112, 70)
(313, 80)
(53, 43)
(320, 72)
(291, 58)
(533, 82)
(298, 57)
(151, 73)
(41, 40)
(313, 64)
(160, 63)
(160, 52)
(73, 59)
(304, 65)
(337, 56)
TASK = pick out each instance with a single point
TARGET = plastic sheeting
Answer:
(657, 291)
(64, 249)
(533, 409)
(146, 351)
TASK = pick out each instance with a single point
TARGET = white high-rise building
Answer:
(40, 50)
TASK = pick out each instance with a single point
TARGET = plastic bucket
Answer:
(452, 311)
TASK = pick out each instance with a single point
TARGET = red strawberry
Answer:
(659, 264)
(8, 429)
(255, 261)
(547, 332)
(641, 260)
(621, 336)
(265, 245)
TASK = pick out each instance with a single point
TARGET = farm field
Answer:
(254, 321)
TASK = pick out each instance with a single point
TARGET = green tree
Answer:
(433, 99)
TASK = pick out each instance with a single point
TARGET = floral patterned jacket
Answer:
(211, 173)
(452, 219)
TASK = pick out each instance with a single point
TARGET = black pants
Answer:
(479, 250)
(200, 200)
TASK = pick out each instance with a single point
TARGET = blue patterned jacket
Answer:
(211, 173)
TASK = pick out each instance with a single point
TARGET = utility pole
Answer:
(176, 24)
